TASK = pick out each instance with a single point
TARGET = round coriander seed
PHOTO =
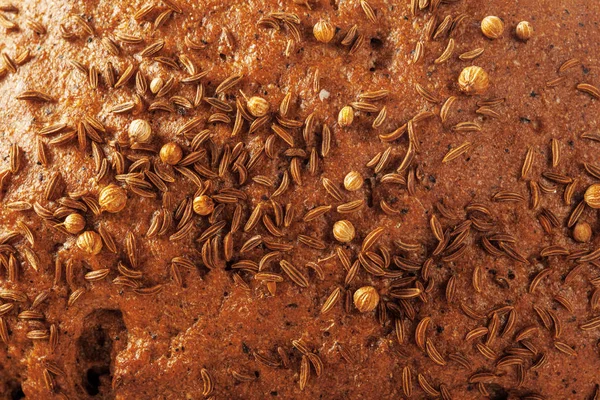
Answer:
(353, 181)
(156, 84)
(582, 232)
(343, 231)
(323, 31)
(74, 223)
(346, 116)
(524, 31)
(366, 299)
(258, 106)
(473, 80)
(203, 205)
(492, 27)
(140, 131)
(89, 242)
(112, 198)
(592, 196)
(171, 153)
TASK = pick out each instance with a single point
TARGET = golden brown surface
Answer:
(142, 322)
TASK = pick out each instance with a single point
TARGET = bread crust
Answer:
(177, 304)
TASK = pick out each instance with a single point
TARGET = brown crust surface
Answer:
(147, 327)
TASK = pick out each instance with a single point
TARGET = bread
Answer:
(174, 173)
